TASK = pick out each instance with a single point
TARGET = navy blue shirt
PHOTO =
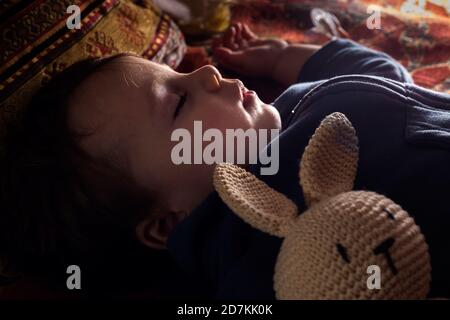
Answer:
(404, 143)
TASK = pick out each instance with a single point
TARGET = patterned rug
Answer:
(419, 40)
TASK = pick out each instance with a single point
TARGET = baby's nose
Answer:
(210, 77)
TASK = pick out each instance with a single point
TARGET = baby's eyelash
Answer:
(181, 103)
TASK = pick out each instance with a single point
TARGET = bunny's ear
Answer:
(329, 163)
(253, 200)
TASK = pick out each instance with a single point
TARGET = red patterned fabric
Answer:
(420, 43)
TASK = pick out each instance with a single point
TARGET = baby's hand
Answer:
(242, 51)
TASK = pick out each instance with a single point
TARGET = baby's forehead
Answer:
(102, 90)
(135, 62)
(126, 78)
(135, 72)
(121, 74)
(100, 105)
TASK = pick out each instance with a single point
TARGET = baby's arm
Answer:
(291, 61)
(242, 51)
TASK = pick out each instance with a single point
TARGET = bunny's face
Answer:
(331, 247)
(348, 244)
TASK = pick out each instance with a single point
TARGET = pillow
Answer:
(35, 42)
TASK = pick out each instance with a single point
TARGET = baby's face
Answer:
(132, 108)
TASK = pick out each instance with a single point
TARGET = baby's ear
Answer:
(253, 200)
(329, 162)
(154, 232)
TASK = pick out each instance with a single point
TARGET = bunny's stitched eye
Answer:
(389, 214)
(343, 252)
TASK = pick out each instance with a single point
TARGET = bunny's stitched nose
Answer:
(383, 248)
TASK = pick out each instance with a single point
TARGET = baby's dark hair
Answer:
(50, 214)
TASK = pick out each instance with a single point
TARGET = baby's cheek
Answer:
(267, 117)
(221, 114)
(229, 119)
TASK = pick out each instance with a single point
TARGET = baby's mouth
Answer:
(249, 99)
(248, 96)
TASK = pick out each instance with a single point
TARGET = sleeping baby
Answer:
(91, 166)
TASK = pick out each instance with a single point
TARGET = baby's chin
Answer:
(267, 117)
(275, 116)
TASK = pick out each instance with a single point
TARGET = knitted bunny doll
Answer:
(330, 250)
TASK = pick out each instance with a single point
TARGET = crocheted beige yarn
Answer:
(329, 250)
